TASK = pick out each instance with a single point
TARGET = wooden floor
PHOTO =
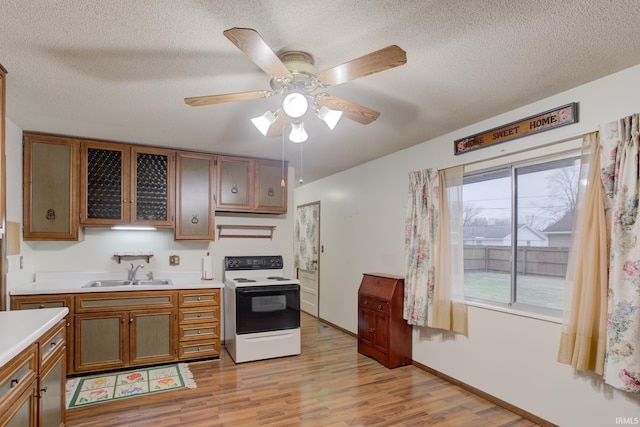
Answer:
(329, 384)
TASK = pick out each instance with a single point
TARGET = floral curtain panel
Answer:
(421, 245)
(620, 178)
(602, 322)
(433, 245)
(306, 237)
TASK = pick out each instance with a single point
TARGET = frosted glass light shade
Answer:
(330, 117)
(263, 122)
(295, 105)
(298, 134)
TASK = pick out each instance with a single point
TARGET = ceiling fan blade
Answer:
(229, 97)
(250, 42)
(350, 110)
(374, 62)
(277, 128)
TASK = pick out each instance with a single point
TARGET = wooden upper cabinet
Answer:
(270, 194)
(50, 187)
(125, 184)
(235, 184)
(3, 174)
(251, 185)
(195, 187)
(104, 172)
(153, 186)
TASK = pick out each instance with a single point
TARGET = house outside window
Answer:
(517, 229)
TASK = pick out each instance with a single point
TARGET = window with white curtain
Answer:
(517, 221)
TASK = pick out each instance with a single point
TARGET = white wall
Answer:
(510, 357)
(95, 252)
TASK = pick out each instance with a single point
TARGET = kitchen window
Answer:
(517, 222)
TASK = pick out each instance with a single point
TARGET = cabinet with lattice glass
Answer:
(126, 184)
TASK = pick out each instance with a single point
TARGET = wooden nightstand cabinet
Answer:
(382, 332)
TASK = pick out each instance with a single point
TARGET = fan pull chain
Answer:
(301, 181)
(282, 183)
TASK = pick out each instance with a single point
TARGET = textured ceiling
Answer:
(119, 69)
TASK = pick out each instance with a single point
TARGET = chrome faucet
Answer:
(134, 270)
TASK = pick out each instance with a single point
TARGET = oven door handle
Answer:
(268, 289)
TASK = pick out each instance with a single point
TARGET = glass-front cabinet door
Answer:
(104, 173)
(124, 184)
(152, 186)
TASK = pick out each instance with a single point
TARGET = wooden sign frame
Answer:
(551, 119)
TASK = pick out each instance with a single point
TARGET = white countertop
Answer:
(19, 329)
(71, 282)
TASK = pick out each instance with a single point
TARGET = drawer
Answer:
(197, 332)
(199, 298)
(53, 340)
(366, 301)
(199, 315)
(129, 300)
(16, 375)
(30, 302)
(196, 350)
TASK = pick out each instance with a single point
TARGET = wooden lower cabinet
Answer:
(34, 302)
(199, 324)
(116, 330)
(382, 332)
(32, 384)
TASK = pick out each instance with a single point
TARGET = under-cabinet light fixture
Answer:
(133, 228)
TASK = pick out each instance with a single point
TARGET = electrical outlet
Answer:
(174, 260)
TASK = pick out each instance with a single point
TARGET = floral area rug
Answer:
(119, 385)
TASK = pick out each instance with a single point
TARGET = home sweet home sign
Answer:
(561, 116)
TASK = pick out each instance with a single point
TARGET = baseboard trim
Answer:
(506, 405)
(337, 327)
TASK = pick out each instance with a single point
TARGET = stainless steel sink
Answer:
(106, 283)
(113, 283)
(152, 282)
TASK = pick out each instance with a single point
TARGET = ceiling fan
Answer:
(294, 75)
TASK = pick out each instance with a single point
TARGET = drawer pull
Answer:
(199, 314)
(199, 298)
(372, 330)
(14, 382)
(42, 306)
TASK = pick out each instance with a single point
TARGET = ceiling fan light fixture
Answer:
(264, 122)
(295, 105)
(298, 134)
(330, 117)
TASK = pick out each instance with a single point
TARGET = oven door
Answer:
(267, 308)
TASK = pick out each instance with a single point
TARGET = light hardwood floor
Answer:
(329, 384)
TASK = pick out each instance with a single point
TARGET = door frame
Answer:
(318, 249)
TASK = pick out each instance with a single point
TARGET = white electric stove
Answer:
(261, 309)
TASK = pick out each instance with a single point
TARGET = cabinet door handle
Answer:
(43, 390)
(53, 344)
(14, 382)
(372, 330)
(366, 302)
(131, 320)
(379, 306)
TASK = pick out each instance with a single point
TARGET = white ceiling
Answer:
(120, 69)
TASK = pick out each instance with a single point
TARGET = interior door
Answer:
(307, 259)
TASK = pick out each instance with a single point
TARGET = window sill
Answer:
(515, 312)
